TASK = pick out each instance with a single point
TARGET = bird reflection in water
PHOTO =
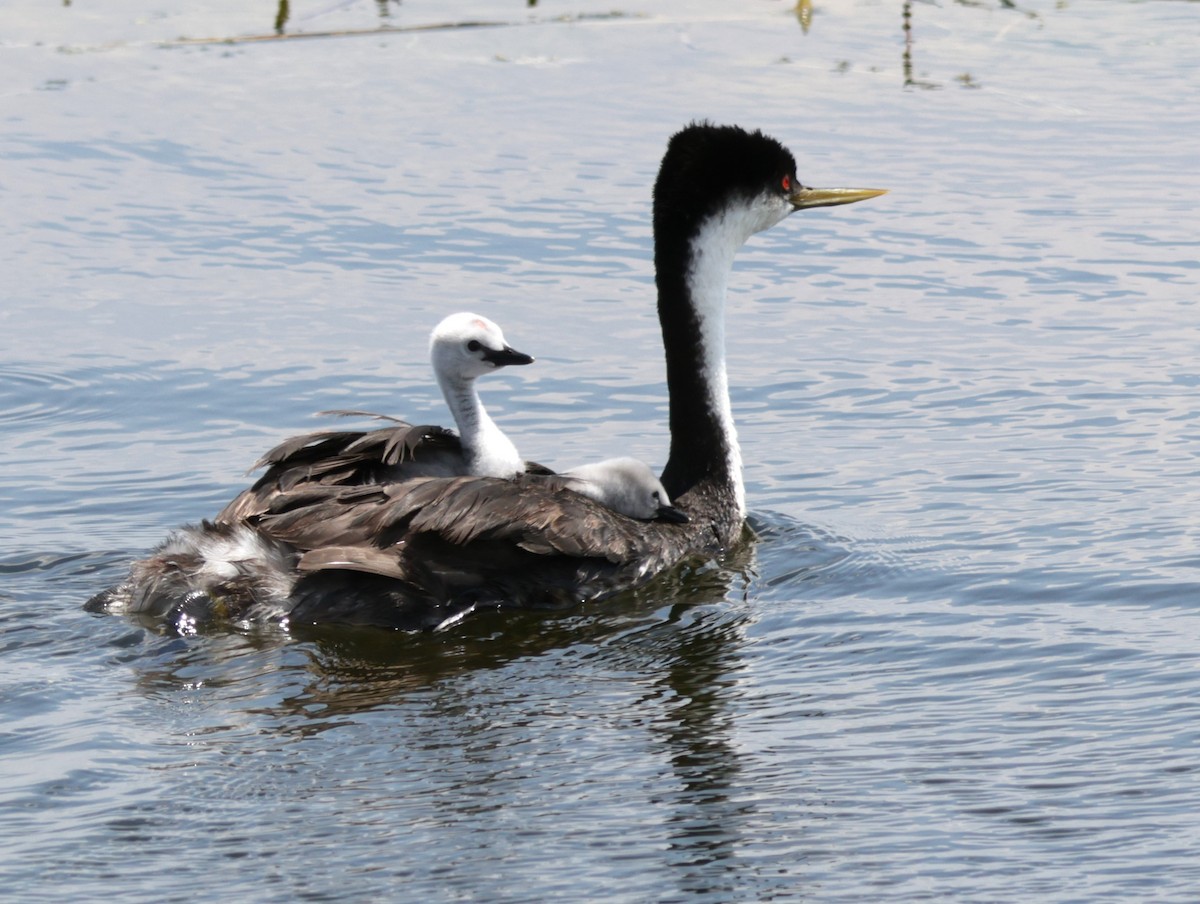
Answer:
(667, 675)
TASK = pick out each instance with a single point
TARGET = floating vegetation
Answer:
(909, 80)
(965, 79)
(385, 28)
(803, 12)
(341, 33)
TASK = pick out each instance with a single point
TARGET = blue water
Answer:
(959, 660)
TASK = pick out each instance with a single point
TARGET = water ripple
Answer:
(957, 663)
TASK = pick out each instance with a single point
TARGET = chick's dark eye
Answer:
(473, 345)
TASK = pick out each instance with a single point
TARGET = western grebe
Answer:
(423, 552)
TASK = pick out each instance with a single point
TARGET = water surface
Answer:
(957, 663)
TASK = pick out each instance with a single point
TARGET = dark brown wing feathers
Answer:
(376, 540)
(528, 512)
(340, 458)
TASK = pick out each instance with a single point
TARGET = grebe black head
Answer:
(708, 169)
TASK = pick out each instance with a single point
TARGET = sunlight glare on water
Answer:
(957, 661)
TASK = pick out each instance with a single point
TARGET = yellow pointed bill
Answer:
(804, 198)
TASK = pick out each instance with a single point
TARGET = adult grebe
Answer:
(424, 552)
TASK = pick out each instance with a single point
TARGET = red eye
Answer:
(787, 183)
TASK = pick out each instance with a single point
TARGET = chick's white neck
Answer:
(489, 453)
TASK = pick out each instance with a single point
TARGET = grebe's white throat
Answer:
(713, 250)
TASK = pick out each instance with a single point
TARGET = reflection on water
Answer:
(356, 670)
(664, 676)
(698, 737)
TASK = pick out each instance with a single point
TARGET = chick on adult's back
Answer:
(625, 485)
(462, 348)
